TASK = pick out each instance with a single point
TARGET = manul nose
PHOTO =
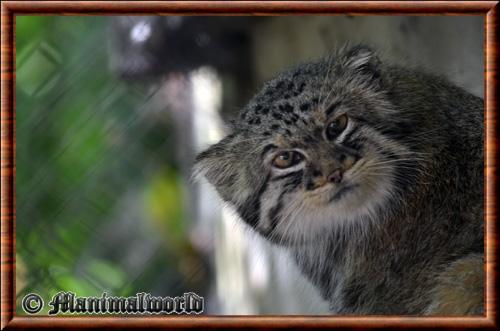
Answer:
(336, 176)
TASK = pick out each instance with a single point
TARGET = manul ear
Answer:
(362, 60)
(223, 166)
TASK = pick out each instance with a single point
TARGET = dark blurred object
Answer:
(151, 46)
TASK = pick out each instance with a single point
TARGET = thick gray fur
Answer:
(416, 212)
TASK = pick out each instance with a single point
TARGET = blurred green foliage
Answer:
(87, 145)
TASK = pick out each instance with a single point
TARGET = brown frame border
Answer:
(9, 9)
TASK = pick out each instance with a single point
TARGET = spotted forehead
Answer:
(284, 106)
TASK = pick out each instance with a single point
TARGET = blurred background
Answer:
(110, 112)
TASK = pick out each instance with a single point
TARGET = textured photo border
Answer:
(9, 9)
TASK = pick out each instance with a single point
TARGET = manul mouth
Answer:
(340, 193)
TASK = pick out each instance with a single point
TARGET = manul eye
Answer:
(335, 128)
(287, 159)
